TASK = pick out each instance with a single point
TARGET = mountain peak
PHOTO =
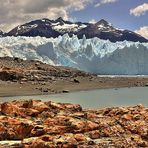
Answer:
(59, 19)
(103, 22)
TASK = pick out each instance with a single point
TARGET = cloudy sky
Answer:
(125, 14)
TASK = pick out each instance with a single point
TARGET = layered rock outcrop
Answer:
(15, 69)
(36, 124)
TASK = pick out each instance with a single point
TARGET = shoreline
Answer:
(12, 89)
(81, 90)
(74, 91)
(52, 93)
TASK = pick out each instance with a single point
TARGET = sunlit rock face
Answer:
(37, 124)
(91, 55)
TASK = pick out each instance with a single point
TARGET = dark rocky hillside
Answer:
(53, 28)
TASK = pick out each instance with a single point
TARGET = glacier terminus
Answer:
(91, 55)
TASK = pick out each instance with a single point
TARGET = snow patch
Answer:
(68, 27)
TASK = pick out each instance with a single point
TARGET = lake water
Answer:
(96, 98)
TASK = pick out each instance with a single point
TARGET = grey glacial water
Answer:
(96, 98)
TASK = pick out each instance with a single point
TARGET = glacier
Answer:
(90, 55)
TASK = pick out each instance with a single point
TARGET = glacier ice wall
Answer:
(91, 55)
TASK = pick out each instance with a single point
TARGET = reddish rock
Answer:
(22, 130)
(92, 126)
(38, 143)
(36, 124)
(27, 104)
(31, 112)
(37, 131)
(47, 138)
(40, 106)
(8, 108)
(94, 134)
(80, 137)
(10, 74)
(74, 107)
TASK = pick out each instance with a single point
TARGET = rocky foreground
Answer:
(36, 124)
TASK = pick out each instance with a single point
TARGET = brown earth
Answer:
(19, 77)
(36, 124)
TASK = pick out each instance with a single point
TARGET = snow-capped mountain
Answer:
(106, 31)
(47, 28)
(54, 28)
(91, 55)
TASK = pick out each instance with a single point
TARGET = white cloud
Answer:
(93, 21)
(102, 2)
(139, 10)
(143, 31)
(14, 12)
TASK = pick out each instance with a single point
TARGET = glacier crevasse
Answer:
(91, 55)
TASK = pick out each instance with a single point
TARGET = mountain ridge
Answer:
(54, 28)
